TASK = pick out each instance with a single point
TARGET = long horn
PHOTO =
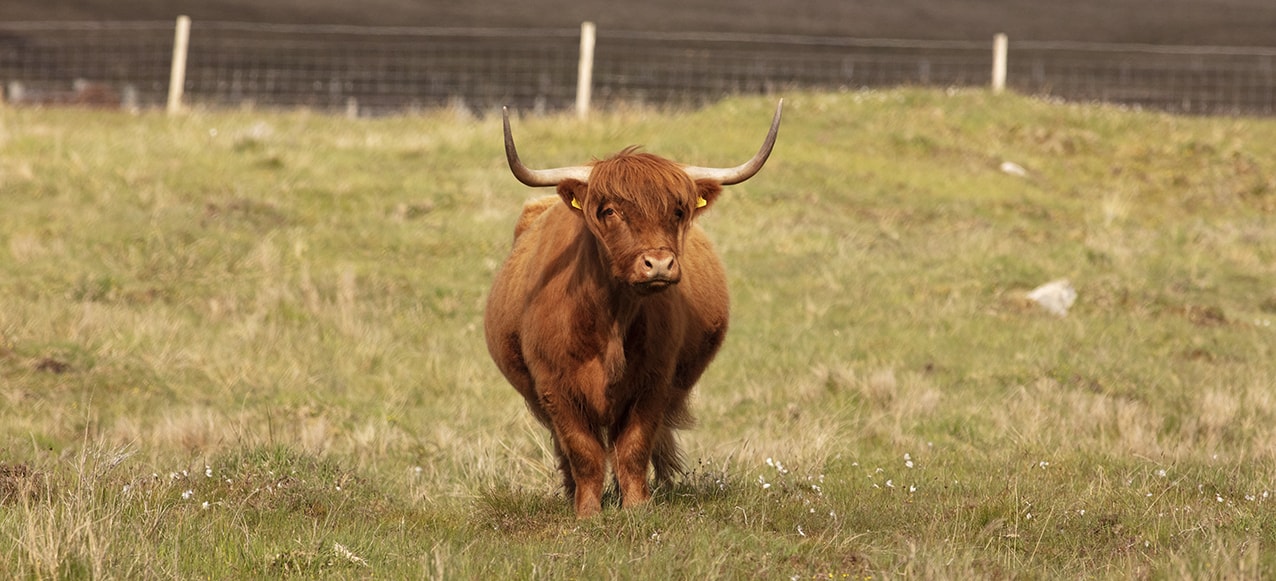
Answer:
(734, 175)
(538, 178)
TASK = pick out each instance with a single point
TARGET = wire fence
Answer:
(381, 70)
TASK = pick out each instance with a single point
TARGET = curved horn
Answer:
(734, 175)
(538, 178)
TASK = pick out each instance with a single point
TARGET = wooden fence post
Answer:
(585, 74)
(177, 75)
(999, 47)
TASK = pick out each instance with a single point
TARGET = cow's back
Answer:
(511, 287)
(532, 210)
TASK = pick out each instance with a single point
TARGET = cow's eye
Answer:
(606, 212)
(679, 214)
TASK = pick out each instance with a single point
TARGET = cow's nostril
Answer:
(659, 266)
(657, 263)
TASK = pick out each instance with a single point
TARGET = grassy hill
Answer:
(248, 345)
(1217, 22)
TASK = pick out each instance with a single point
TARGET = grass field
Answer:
(249, 345)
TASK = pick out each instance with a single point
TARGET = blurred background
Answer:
(386, 56)
(1214, 22)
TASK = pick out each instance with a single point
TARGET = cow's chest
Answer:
(640, 352)
(626, 357)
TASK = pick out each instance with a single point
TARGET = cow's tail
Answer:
(666, 457)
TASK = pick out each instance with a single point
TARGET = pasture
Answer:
(249, 345)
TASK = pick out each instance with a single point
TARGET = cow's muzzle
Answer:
(656, 270)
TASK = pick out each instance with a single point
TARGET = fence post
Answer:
(177, 76)
(999, 47)
(585, 74)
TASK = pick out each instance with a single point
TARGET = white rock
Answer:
(1055, 296)
(1013, 169)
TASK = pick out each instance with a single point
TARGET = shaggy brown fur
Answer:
(604, 316)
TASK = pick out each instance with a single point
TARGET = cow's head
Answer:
(639, 206)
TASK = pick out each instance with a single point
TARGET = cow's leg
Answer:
(633, 455)
(565, 468)
(583, 462)
(635, 440)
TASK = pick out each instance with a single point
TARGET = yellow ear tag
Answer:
(700, 203)
(576, 204)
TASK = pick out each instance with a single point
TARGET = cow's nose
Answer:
(660, 265)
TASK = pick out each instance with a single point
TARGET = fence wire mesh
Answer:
(105, 64)
(380, 70)
(1205, 80)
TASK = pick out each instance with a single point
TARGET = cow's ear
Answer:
(572, 192)
(707, 191)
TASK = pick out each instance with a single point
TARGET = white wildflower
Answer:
(188, 494)
(348, 555)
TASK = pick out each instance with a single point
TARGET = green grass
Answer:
(249, 345)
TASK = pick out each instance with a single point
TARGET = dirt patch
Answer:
(54, 366)
(1204, 315)
(18, 481)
